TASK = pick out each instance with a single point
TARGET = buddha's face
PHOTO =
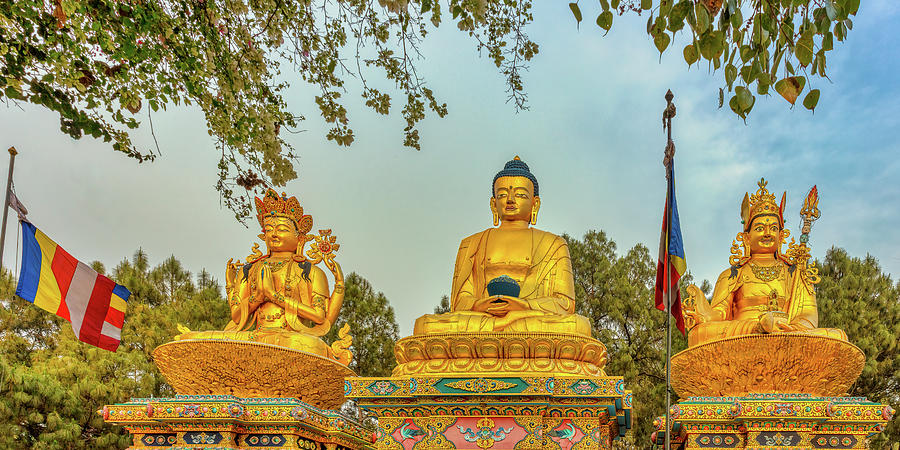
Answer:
(764, 235)
(280, 234)
(514, 198)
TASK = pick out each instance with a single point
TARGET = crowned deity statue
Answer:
(282, 297)
(764, 290)
(511, 277)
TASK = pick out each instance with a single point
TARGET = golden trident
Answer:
(810, 213)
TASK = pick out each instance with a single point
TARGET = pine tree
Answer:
(372, 325)
(857, 297)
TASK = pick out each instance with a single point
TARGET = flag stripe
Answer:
(115, 317)
(97, 307)
(112, 331)
(80, 293)
(108, 343)
(29, 275)
(48, 295)
(121, 292)
(63, 267)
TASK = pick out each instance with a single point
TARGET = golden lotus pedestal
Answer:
(238, 394)
(770, 391)
(496, 390)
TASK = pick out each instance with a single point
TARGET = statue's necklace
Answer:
(276, 266)
(766, 273)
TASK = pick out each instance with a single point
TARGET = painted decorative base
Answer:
(782, 362)
(251, 369)
(224, 421)
(774, 421)
(498, 412)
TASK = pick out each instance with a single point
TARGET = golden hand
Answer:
(266, 289)
(500, 305)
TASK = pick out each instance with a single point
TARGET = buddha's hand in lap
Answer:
(500, 305)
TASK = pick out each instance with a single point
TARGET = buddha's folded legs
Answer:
(709, 331)
(274, 336)
(471, 321)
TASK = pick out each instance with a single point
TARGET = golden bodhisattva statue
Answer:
(512, 300)
(764, 290)
(759, 332)
(533, 264)
(282, 297)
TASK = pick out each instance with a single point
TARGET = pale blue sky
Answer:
(592, 137)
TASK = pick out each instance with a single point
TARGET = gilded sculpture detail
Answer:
(759, 332)
(513, 277)
(512, 302)
(764, 290)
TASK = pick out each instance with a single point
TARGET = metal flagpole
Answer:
(669, 160)
(12, 160)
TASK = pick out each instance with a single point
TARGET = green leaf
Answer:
(712, 44)
(790, 88)
(737, 19)
(811, 100)
(721, 97)
(852, 7)
(690, 54)
(730, 74)
(662, 41)
(804, 47)
(828, 41)
(604, 20)
(646, 4)
(576, 11)
(604, 4)
(702, 18)
(615, 4)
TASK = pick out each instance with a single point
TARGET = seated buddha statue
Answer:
(531, 267)
(282, 297)
(764, 291)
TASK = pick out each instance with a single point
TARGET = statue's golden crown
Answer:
(761, 203)
(274, 205)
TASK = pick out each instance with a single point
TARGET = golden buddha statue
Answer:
(512, 303)
(759, 332)
(282, 297)
(764, 290)
(534, 261)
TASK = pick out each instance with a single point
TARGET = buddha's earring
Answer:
(494, 213)
(534, 217)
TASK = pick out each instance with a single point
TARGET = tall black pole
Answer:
(668, 161)
(12, 161)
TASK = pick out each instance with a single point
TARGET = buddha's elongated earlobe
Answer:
(494, 212)
(534, 210)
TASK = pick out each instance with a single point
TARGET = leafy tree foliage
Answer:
(443, 306)
(102, 64)
(372, 325)
(759, 45)
(856, 296)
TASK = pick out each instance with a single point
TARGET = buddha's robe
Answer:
(740, 298)
(540, 265)
(271, 321)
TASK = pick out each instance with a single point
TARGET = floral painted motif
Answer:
(583, 387)
(485, 435)
(382, 387)
(481, 385)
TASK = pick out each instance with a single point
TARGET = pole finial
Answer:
(13, 151)
(669, 96)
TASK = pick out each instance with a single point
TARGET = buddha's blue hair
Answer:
(516, 168)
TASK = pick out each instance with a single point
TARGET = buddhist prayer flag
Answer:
(55, 281)
(671, 265)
